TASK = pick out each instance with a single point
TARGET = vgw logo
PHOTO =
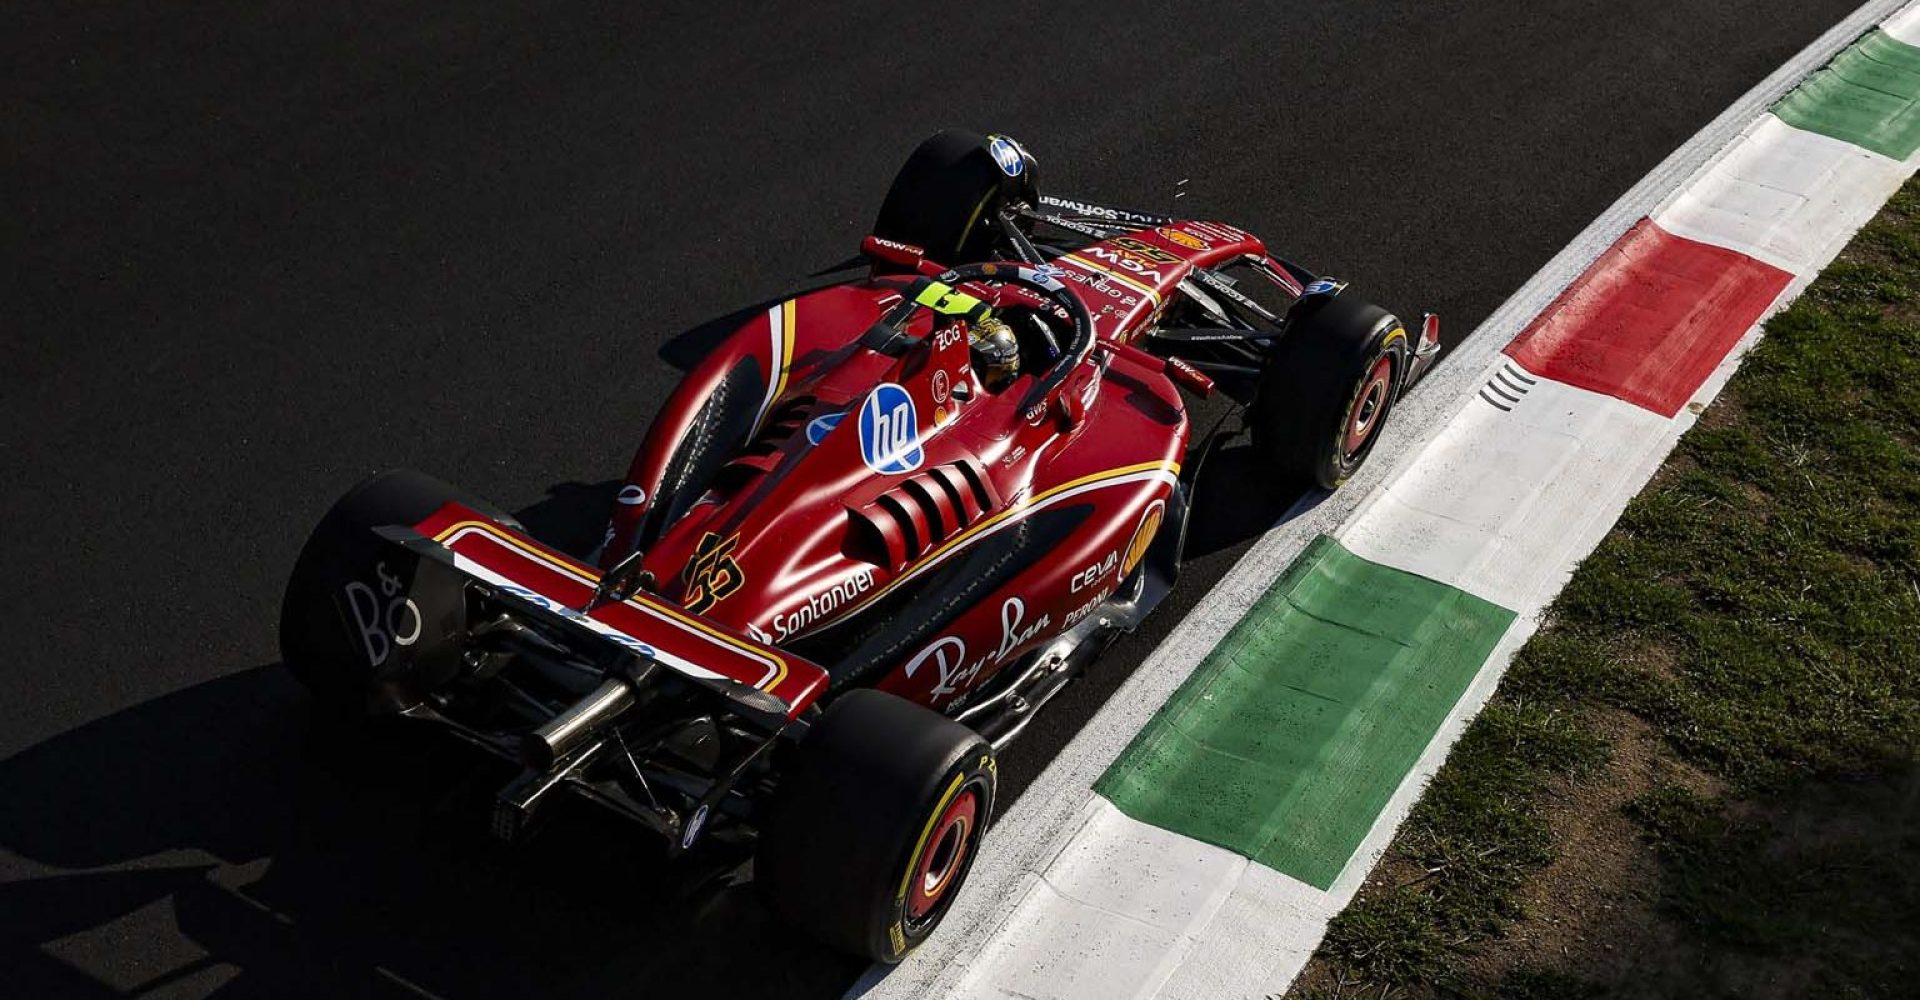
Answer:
(890, 431)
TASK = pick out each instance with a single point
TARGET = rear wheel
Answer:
(1327, 389)
(875, 824)
(351, 604)
(945, 197)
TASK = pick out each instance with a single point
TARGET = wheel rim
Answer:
(944, 856)
(1369, 405)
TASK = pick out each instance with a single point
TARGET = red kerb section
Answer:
(1651, 319)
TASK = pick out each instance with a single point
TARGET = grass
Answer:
(1700, 777)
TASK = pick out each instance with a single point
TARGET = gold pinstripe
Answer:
(1133, 283)
(784, 363)
(497, 533)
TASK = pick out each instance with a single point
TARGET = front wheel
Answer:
(945, 198)
(875, 824)
(1326, 390)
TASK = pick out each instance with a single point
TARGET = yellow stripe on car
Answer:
(591, 577)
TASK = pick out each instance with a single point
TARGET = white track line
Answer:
(1904, 26)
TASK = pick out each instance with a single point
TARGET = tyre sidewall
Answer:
(347, 578)
(1312, 382)
(974, 773)
(938, 199)
(1387, 340)
(851, 820)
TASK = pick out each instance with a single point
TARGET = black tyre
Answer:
(353, 602)
(944, 198)
(1326, 390)
(875, 824)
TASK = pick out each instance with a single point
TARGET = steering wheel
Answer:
(942, 295)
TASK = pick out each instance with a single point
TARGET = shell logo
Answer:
(1187, 240)
(1143, 537)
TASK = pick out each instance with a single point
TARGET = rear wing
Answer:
(758, 679)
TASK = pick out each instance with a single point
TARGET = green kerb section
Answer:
(1867, 96)
(1288, 740)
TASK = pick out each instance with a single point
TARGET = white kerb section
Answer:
(1129, 910)
(1784, 197)
(1503, 503)
(1904, 26)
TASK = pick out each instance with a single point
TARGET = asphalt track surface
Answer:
(255, 252)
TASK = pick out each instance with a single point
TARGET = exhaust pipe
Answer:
(565, 732)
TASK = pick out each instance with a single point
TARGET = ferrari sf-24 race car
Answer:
(864, 541)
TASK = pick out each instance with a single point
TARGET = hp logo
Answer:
(890, 431)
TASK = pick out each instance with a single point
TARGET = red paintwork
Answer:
(816, 533)
(676, 638)
(1651, 319)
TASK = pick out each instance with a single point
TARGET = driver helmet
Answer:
(996, 352)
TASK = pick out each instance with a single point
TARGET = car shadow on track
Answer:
(573, 515)
(261, 854)
(1236, 499)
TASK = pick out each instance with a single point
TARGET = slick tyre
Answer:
(875, 824)
(944, 198)
(351, 602)
(1326, 390)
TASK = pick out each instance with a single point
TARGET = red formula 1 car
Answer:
(866, 539)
